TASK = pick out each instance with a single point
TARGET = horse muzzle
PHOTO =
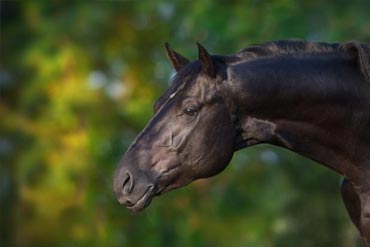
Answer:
(135, 192)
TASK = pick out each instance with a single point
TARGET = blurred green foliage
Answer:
(77, 82)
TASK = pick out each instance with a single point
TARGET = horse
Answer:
(309, 97)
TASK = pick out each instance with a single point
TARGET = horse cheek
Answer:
(218, 143)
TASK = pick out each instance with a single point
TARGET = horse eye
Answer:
(190, 111)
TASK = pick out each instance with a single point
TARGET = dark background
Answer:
(77, 82)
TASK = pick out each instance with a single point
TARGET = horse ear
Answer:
(176, 59)
(206, 61)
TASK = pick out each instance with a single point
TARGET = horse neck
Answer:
(315, 106)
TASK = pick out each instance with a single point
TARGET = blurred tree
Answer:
(77, 83)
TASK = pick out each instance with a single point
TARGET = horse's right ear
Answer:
(176, 59)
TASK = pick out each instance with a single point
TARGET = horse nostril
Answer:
(128, 183)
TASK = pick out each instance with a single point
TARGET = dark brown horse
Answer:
(312, 98)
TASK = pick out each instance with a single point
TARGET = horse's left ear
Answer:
(176, 59)
(206, 61)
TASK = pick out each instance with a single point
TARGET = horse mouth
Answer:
(141, 203)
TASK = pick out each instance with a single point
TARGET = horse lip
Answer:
(143, 201)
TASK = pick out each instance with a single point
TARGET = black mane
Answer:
(283, 47)
(359, 52)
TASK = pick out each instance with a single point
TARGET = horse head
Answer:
(190, 136)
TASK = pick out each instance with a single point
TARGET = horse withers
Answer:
(312, 98)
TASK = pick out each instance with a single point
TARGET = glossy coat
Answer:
(311, 98)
